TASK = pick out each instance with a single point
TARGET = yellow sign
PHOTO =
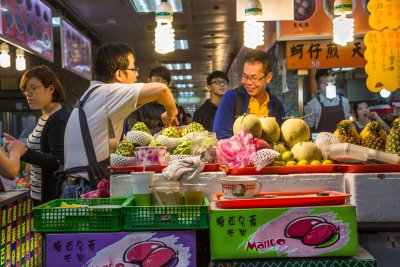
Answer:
(383, 60)
(323, 54)
(384, 13)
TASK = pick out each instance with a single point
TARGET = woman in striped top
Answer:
(45, 146)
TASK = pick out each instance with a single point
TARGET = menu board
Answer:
(76, 50)
(27, 23)
(313, 19)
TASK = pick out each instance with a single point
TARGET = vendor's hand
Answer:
(169, 120)
(7, 139)
(374, 116)
(17, 146)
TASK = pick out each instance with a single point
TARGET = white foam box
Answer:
(383, 246)
(302, 182)
(376, 196)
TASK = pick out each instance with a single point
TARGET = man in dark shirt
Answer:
(217, 83)
(150, 113)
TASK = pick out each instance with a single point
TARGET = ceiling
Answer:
(213, 35)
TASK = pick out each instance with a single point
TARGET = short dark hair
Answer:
(216, 74)
(320, 73)
(162, 72)
(355, 107)
(108, 59)
(254, 56)
(48, 78)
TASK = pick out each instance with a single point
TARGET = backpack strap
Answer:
(239, 101)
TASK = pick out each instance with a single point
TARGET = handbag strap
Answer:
(93, 165)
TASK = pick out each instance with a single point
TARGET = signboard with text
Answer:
(76, 50)
(321, 54)
(313, 20)
(28, 24)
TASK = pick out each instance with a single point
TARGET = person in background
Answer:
(182, 117)
(189, 118)
(363, 115)
(99, 116)
(151, 113)
(321, 113)
(253, 96)
(217, 83)
(45, 145)
(9, 166)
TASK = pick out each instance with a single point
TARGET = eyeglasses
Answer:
(133, 69)
(252, 79)
(30, 90)
(219, 82)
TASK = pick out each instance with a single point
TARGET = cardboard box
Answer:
(375, 195)
(176, 248)
(283, 232)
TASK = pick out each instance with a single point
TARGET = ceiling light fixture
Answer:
(343, 27)
(148, 6)
(253, 29)
(5, 59)
(164, 33)
(384, 93)
(20, 62)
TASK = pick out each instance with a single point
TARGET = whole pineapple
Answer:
(393, 140)
(373, 136)
(346, 132)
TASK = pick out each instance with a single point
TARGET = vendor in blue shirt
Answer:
(253, 96)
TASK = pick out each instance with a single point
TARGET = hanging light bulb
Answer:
(253, 29)
(5, 60)
(331, 87)
(164, 33)
(384, 93)
(20, 63)
(343, 27)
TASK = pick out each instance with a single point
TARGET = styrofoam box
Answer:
(346, 152)
(376, 196)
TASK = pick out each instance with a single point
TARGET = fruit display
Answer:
(193, 127)
(183, 148)
(171, 132)
(140, 126)
(154, 143)
(249, 123)
(125, 149)
(373, 136)
(306, 151)
(393, 139)
(346, 132)
(293, 131)
(270, 129)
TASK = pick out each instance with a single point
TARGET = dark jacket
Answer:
(51, 152)
(205, 115)
(225, 117)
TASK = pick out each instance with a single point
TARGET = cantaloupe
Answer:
(293, 131)
(271, 131)
(249, 123)
(306, 151)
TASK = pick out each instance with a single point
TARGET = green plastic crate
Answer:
(164, 217)
(50, 218)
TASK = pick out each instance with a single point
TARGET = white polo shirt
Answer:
(108, 105)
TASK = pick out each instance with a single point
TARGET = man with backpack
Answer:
(253, 96)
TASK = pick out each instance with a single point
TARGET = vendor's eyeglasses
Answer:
(30, 90)
(133, 69)
(252, 79)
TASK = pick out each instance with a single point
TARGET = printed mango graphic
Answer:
(151, 254)
(313, 231)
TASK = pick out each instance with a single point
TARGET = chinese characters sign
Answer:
(28, 24)
(324, 54)
(383, 56)
(76, 51)
(313, 20)
(384, 13)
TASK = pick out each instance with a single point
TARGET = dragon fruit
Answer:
(260, 144)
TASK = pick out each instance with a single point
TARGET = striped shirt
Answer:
(33, 143)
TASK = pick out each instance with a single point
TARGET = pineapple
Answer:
(393, 140)
(346, 132)
(373, 136)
